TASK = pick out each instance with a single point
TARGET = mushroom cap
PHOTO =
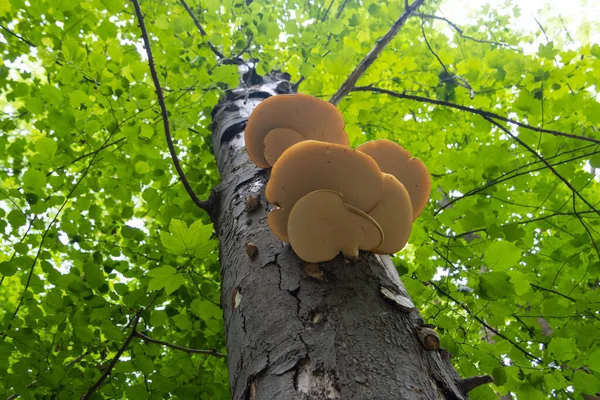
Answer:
(279, 140)
(312, 118)
(394, 213)
(321, 226)
(411, 172)
(311, 165)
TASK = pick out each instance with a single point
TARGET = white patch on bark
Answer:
(237, 298)
(316, 384)
(402, 302)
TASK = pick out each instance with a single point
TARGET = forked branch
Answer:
(200, 29)
(348, 85)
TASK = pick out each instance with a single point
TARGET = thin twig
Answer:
(533, 285)
(47, 230)
(245, 49)
(462, 35)
(203, 204)
(586, 228)
(21, 38)
(115, 359)
(200, 29)
(507, 176)
(176, 347)
(485, 324)
(538, 155)
(327, 11)
(459, 80)
(471, 110)
(348, 85)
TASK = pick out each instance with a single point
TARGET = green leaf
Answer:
(496, 285)
(184, 240)
(173, 283)
(182, 321)
(594, 360)
(34, 179)
(547, 51)
(4, 8)
(142, 167)
(7, 268)
(165, 277)
(555, 380)
(562, 348)
(502, 255)
(94, 275)
(162, 272)
(46, 147)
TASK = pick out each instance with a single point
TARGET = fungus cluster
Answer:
(330, 198)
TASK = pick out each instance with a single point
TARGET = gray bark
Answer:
(338, 330)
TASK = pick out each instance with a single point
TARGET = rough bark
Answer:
(338, 330)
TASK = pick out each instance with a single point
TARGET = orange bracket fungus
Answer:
(411, 172)
(321, 226)
(281, 121)
(310, 165)
(330, 198)
(394, 214)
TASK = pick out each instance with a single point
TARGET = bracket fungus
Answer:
(394, 213)
(283, 120)
(311, 165)
(321, 226)
(411, 172)
(330, 198)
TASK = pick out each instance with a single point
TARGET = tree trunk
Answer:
(337, 330)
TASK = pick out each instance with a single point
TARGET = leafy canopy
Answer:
(98, 235)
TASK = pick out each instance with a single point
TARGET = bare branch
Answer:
(459, 80)
(200, 29)
(348, 85)
(176, 347)
(552, 291)
(115, 359)
(471, 110)
(516, 173)
(485, 324)
(21, 38)
(245, 49)
(203, 204)
(462, 35)
(327, 11)
(586, 228)
(550, 167)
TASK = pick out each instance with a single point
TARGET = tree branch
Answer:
(471, 383)
(505, 177)
(115, 359)
(550, 167)
(485, 324)
(206, 205)
(459, 80)
(471, 110)
(21, 38)
(176, 347)
(533, 285)
(200, 29)
(462, 35)
(348, 85)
